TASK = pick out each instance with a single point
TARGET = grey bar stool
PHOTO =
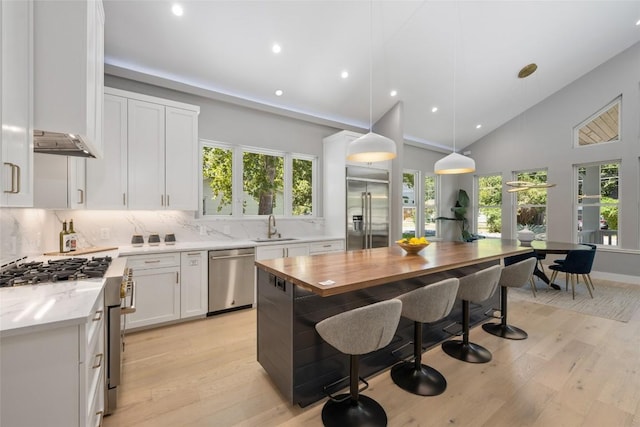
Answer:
(355, 332)
(475, 287)
(424, 305)
(513, 276)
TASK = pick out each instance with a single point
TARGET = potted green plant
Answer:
(460, 216)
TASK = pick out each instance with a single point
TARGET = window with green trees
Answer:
(597, 203)
(409, 198)
(240, 181)
(532, 203)
(489, 217)
(430, 206)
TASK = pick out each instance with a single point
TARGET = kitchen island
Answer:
(296, 293)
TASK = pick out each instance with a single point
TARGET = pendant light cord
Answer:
(455, 69)
(371, 66)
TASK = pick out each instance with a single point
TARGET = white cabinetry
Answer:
(107, 179)
(282, 251)
(316, 248)
(16, 113)
(54, 377)
(151, 154)
(69, 57)
(334, 185)
(157, 289)
(59, 182)
(193, 286)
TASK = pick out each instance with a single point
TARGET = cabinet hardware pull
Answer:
(168, 200)
(81, 191)
(11, 166)
(97, 316)
(18, 178)
(152, 261)
(161, 200)
(177, 277)
(101, 415)
(97, 360)
(124, 199)
(193, 253)
(326, 246)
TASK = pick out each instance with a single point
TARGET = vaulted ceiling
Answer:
(461, 57)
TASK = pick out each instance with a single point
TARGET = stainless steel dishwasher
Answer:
(231, 279)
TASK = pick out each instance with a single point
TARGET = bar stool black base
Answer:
(424, 382)
(472, 353)
(364, 412)
(505, 331)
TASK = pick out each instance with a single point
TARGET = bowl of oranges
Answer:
(413, 245)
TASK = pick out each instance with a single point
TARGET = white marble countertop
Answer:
(216, 244)
(30, 308)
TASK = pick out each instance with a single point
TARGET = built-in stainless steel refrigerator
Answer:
(367, 208)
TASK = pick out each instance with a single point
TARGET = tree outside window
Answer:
(302, 187)
(532, 203)
(217, 173)
(430, 206)
(489, 219)
(409, 210)
(597, 214)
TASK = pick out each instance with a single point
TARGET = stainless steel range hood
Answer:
(64, 144)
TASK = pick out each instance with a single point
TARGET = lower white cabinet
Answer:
(54, 377)
(157, 289)
(299, 249)
(193, 286)
(282, 251)
(168, 287)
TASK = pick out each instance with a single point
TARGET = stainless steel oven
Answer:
(119, 294)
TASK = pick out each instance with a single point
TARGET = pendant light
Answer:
(454, 163)
(371, 147)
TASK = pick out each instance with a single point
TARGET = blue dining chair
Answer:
(577, 262)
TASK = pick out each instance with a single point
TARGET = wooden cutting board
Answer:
(84, 251)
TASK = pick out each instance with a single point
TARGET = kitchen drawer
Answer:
(141, 262)
(326, 246)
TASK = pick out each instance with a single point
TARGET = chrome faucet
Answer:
(271, 221)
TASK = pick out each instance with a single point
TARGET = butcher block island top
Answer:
(341, 272)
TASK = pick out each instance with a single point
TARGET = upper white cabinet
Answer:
(69, 68)
(59, 182)
(107, 178)
(16, 113)
(151, 154)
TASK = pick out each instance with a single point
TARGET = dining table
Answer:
(543, 247)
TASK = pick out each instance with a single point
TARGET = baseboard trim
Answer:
(635, 280)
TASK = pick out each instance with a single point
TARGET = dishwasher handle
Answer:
(214, 257)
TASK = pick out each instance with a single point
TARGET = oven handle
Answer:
(131, 308)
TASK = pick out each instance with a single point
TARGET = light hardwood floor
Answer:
(573, 370)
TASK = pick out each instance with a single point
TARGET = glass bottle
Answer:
(62, 234)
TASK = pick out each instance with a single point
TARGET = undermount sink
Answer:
(274, 239)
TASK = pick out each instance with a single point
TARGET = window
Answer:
(430, 206)
(603, 126)
(244, 181)
(217, 172)
(489, 217)
(409, 196)
(597, 213)
(532, 203)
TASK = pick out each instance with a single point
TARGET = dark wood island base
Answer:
(300, 363)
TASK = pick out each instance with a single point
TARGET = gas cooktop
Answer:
(53, 270)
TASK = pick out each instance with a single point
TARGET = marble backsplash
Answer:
(27, 231)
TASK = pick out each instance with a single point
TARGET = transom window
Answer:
(597, 203)
(246, 181)
(603, 126)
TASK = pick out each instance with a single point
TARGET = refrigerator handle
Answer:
(369, 218)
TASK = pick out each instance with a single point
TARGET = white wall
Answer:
(543, 138)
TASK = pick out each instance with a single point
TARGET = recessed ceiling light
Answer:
(478, 126)
(276, 48)
(344, 74)
(434, 109)
(638, 22)
(177, 9)
(279, 92)
(393, 93)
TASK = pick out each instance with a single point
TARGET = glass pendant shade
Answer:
(455, 163)
(371, 148)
